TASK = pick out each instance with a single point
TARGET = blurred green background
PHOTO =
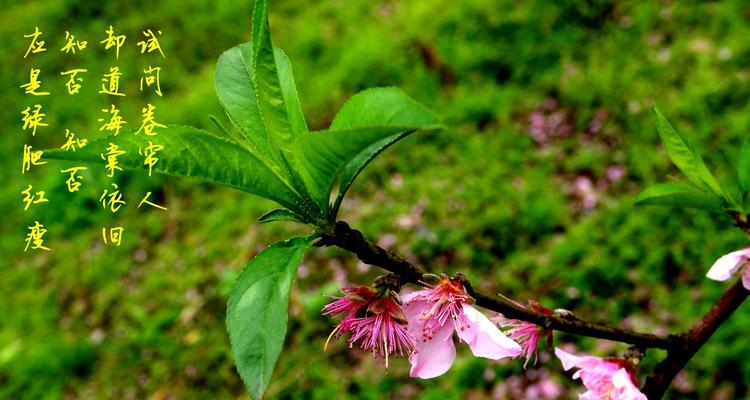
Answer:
(530, 191)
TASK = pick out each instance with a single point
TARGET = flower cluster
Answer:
(422, 327)
(375, 320)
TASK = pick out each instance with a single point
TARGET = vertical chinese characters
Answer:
(111, 120)
(33, 118)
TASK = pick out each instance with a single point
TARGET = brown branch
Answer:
(352, 240)
(689, 343)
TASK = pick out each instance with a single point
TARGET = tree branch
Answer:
(689, 344)
(352, 240)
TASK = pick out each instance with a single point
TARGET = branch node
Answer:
(565, 314)
(389, 282)
(634, 354)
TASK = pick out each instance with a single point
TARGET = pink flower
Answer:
(354, 297)
(348, 306)
(376, 322)
(729, 264)
(525, 333)
(434, 314)
(605, 378)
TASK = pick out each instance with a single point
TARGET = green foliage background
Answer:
(486, 197)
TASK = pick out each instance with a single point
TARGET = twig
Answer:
(680, 348)
(689, 343)
(352, 240)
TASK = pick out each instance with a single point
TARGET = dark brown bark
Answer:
(689, 343)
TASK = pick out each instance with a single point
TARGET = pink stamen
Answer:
(524, 333)
(447, 299)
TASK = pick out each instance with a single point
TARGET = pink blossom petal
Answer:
(728, 264)
(573, 361)
(413, 310)
(433, 357)
(406, 298)
(746, 278)
(622, 381)
(484, 338)
(412, 305)
(589, 395)
(593, 377)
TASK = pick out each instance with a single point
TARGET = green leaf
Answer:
(322, 155)
(674, 194)
(743, 167)
(270, 95)
(194, 153)
(363, 127)
(385, 106)
(236, 93)
(373, 107)
(257, 311)
(289, 91)
(358, 163)
(684, 155)
(279, 214)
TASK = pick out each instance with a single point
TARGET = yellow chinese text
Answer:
(113, 151)
(149, 122)
(36, 46)
(33, 119)
(72, 142)
(151, 77)
(150, 153)
(32, 198)
(35, 237)
(111, 82)
(73, 84)
(71, 44)
(33, 84)
(115, 121)
(113, 40)
(31, 157)
(112, 199)
(114, 234)
(147, 202)
(73, 180)
(151, 43)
